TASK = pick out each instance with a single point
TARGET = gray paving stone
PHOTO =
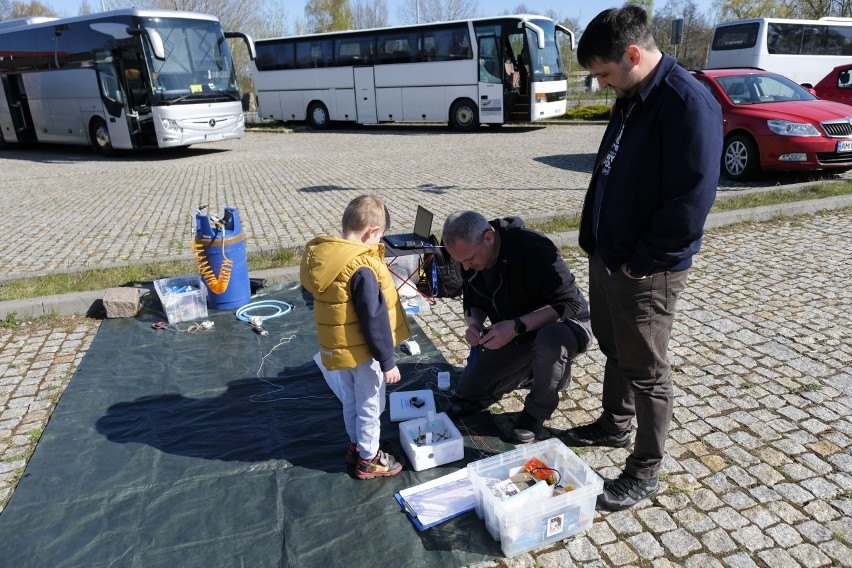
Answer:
(809, 555)
(718, 542)
(752, 538)
(646, 545)
(680, 543)
(619, 553)
(778, 558)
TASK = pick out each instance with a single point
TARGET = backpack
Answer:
(447, 271)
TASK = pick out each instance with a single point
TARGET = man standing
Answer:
(654, 181)
(515, 278)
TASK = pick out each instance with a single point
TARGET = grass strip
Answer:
(101, 278)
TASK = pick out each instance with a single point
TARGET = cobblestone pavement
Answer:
(759, 471)
(72, 210)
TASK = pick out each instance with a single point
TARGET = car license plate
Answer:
(844, 146)
(219, 136)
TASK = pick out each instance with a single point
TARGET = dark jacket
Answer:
(663, 179)
(530, 274)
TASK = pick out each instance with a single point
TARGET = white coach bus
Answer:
(802, 50)
(118, 80)
(466, 72)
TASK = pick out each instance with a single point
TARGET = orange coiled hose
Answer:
(217, 284)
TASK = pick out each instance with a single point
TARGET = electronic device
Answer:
(410, 347)
(403, 407)
(417, 239)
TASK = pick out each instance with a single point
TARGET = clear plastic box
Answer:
(184, 298)
(431, 442)
(526, 521)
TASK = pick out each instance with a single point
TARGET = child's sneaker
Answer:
(352, 454)
(383, 465)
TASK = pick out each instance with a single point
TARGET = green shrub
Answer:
(589, 112)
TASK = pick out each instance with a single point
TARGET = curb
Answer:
(84, 302)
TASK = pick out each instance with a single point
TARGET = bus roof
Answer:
(518, 17)
(821, 21)
(38, 22)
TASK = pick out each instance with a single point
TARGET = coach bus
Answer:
(802, 50)
(466, 72)
(118, 80)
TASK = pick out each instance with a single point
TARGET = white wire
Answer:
(281, 308)
(277, 388)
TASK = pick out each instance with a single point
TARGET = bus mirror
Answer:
(247, 39)
(567, 32)
(153, 37)
(539, 33)
(156, 44)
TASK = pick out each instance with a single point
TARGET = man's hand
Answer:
(473, 334)
(392, 376)
(499, 335)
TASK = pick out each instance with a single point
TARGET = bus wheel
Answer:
(740, 157)
(463, 115)
(318, 116)
(99, 135)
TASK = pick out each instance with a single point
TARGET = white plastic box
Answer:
(430, 442)
(184, 298)
(529, 520)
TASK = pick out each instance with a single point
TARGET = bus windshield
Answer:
(546, 63)
(197, 64)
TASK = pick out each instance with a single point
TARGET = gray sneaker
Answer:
(625, 491)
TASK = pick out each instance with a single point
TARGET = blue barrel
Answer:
(220, 253)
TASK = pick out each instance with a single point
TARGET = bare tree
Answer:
(85, 8)
(28, 9)
(5, 9)
(369, 14)
(273, 21)
(696, 36)
(328, 15)
(413, 11)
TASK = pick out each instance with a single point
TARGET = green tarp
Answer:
(182, 449)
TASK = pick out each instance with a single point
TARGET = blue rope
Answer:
(280, 308)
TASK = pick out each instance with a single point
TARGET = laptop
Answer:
(419, 238)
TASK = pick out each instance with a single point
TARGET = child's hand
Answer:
(392, 376)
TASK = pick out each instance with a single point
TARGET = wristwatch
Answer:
(520, 327)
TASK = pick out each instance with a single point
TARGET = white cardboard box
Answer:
(430, 442)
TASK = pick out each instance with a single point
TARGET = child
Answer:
(359, 320)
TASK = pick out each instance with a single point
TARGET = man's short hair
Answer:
(610, 32)
(365, 211)
(467, 226)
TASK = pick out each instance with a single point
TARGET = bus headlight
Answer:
(170, 125)
(787, 128)
(541, 97)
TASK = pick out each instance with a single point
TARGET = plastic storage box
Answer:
(184, 298)
(535, 516)
(429, 442)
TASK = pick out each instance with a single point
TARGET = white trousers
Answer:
(363, 397)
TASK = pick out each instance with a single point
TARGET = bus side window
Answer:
(109, 87)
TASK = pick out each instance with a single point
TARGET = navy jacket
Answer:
(663, 179)
(531, 273)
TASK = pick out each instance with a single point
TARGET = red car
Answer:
(837, 85)
(772, 123)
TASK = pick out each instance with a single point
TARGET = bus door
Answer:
(365, 95)
(491, 99)
(19, 108)
(138, 100)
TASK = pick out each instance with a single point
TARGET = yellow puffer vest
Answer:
(326, 270)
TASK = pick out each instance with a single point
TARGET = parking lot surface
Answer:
(759, 466)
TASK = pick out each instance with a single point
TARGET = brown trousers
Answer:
(632, 321)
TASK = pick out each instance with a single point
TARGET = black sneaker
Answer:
(594, 435)
(526, 428)
(625, 491)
